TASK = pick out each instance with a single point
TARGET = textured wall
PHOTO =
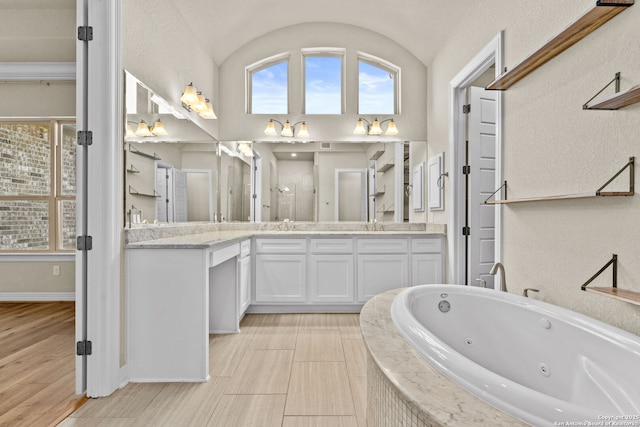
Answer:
(552, 146)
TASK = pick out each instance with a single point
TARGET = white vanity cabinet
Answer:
(281, 270)
(427, 261)
(331, 270)
(383, 264)
(244, 277)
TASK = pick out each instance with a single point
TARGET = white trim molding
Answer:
(38, 257)
(492, 53)
(37, 296)
(19, 71)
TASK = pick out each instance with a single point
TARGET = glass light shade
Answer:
(143, 129)
(360, 129)
(201, 105)
(190, 95)
(209, 113)
(286, 129)
(391, 129)
(303, 132)
(375, 128)
(129, 132)
(270, 129)
(158, 128)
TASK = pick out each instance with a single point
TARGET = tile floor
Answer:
(288, 370)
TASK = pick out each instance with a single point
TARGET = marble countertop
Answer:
(444, 402)
(206, 236)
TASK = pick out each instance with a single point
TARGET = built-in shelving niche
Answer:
(602, 12)
(613, 291)
(598, 193)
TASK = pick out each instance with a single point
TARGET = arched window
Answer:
(378, 86)
(323, 80)
(267, 86)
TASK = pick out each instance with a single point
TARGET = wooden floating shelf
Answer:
(561, 197)
(618, 100)
(619, 294)
(377, 155)
(602, 12)
(598, 193)
(385, 167)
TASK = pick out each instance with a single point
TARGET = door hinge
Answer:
(85, 33)
(83, 348)
(466, 170)
(85, 138)
(466, 109)
(255, 196)
(84, 243)
(466, 231)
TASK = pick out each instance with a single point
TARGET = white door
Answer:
(482, 159)
(164, 187)
(180, 196)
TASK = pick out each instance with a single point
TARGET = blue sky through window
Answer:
(376, 91)
(323, 85)
(269, 90)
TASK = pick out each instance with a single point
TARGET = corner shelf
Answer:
(597, 193)
(385, 167)
(602, 12)
(613, 291)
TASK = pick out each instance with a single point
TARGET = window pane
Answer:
(24, 225)
(376, 90)
(323, 85)
(67, 224)
(25, 159)
(269, 90)
(68, 172)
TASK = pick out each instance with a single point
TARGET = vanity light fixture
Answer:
(244, 147)
(192, 100)
(143, 130)
(288, 129)
(375, 128)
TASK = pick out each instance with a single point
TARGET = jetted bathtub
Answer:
(538, 362)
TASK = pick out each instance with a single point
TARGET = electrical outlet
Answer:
(56, 270)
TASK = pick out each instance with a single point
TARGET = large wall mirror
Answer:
(171, 164)
(177, 172)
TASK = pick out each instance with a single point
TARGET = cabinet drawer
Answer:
(332, 246)
(430, 245)
(245, 248)
(383, 246)
(281, 246)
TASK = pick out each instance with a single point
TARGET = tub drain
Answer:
(444, 306)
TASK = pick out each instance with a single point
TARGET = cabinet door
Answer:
(331, 278)
(426, 269)
(244, 284)
(379, 273)
(280, 278)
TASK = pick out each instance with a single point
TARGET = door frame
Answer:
(492, 53)
(363, 191)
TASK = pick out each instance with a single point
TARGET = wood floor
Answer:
(287, 370)
(37, 363)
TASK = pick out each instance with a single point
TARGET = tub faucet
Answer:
(498, 266)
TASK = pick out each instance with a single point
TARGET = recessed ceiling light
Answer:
(294, 155)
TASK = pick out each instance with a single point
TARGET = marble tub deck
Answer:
(438, 400)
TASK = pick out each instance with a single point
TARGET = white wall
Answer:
(235, 124)
(159, 48)
(552, 146)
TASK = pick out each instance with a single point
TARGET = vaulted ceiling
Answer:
(223, 26)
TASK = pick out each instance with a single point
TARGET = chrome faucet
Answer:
(503, 283)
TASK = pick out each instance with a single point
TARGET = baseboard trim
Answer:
(37, 296)
(304, 308)
(123, 375)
